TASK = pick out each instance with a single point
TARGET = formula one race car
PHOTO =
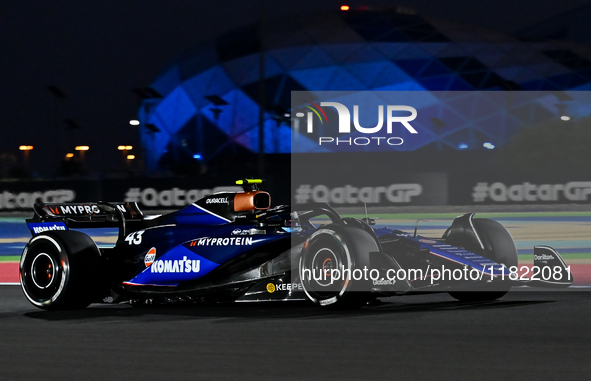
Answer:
(235, 247)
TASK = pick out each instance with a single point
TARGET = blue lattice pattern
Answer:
(356, 50)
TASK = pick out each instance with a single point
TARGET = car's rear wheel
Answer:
(60, 270)
(332, 263)
(499, 246)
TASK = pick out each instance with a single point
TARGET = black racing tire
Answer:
(499, 247)
(337, 247)
(61, 270)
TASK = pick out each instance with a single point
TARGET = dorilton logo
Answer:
(543, 257)
(393, 115)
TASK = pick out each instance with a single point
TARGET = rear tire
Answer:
(61, 270)
(336, 247)
(499, 247)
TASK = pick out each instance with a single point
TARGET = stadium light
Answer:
(488, 145)
(134, 122)
(130, 157)
(566, 118)
(124, 148)
(345, 7)
(26, 150)
(82, 150)
(69, 155)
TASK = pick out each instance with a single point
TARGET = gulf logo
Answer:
(150, 257)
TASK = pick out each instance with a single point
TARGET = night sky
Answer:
(97, 51)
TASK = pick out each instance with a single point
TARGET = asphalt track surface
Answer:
(524, 336)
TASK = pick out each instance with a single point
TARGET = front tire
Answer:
(335, 247)
(60, 270)
(499, 247)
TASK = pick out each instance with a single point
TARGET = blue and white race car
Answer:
(236, 247)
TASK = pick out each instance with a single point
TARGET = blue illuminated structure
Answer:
(209, 103)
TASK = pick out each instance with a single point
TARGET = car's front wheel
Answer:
(499, 246)
(332, 263)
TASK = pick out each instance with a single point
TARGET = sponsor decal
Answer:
(252, 231)
(75, 209)
(271, 288)
(135, 238)
(427, 241)
(25, 200)
(228, 241)
(543, 257)
(176, 266)
(152, 197)
(394, 193)
(383, 282)
(150, 257)
(40, 228)
(217, 200)
(394, 114)
(328, 301)
(528, 192)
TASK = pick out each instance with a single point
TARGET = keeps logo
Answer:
(394, 114)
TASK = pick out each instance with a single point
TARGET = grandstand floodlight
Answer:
(69, 155)
(82, 148)
(25, 148)
(566, 118)
(134, 122)
(130, 157)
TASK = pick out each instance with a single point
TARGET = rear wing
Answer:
(84, 215)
